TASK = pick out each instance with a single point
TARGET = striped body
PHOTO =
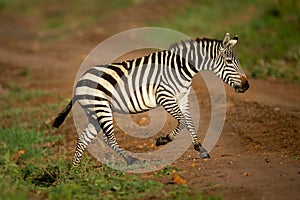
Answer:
(159, 79)
(132, 86)
(121, 84)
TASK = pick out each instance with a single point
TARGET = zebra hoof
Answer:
(131, 160)
(203, 153)
(162, 140)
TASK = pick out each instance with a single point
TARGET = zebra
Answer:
(162, 78)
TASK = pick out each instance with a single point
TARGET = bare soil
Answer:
(256, 157)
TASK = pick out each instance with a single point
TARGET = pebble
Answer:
(247, 174)
(276, 109)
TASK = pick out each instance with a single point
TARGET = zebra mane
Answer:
(207, 39)
(190, 41)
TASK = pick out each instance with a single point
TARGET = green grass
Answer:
(22, 95)
(269, 44)
(39, 173)
(22, 107)
(60, 20)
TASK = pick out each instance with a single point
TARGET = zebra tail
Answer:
(62, 116)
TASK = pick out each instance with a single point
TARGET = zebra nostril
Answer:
(236, 87)
(246, 86)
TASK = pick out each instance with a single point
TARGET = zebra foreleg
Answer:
(185, 108)
(162, 140)
(173, 109)
(197, 145)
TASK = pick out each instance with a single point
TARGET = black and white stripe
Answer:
(159, 79)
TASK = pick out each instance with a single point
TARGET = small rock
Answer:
(276, 109)
(152, 145)
(267, 160)
(143, 121)
(230, 162)
(247, 174)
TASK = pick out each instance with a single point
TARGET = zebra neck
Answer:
(198, 55)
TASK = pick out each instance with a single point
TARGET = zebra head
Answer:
(227, 65)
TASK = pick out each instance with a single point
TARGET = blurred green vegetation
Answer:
(268, 30)
(269, 43)
(64, 14)
(55, 21)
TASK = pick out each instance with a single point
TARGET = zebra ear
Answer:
(226, 39)
(232, 42)
(227, 42)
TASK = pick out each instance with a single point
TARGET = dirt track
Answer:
(257, 155)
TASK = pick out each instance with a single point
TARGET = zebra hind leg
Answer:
(106, 122)
(129, 159)
(112, 143)
(84, 139)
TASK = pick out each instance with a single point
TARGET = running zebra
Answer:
(161, 78)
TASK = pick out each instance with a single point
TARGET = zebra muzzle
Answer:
(244, 85)
(243, 88)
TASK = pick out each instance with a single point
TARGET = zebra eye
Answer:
(229, 61)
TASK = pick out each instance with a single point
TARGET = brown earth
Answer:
(256, 157)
